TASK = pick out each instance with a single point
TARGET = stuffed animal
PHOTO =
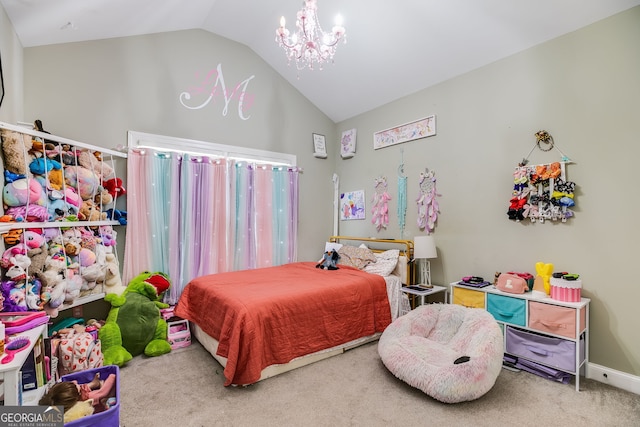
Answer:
(33, 239)
(90, 212)
(12, 237)
(112, 280)
(19, 265)
(134, 324)
(88, 160)
(73, 286)
(91, 276)
(20, 248)
(15, 145)
(48, 172)
(329, 261)
(81, 409)
(13, 296)
(53, 282)
(117, 215)
(85, 181)
(21, 191)
(103, 198)
(114, 187)
(38, 257)
(31, 213)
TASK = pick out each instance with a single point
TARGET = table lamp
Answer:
(424, 248)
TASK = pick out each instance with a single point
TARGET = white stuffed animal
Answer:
(113, 281)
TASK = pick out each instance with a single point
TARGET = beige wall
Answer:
(11, 55)
(97, 91)
(584, 89)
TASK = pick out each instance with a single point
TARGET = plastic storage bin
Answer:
(107, 418)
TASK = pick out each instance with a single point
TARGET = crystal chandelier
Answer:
(309, 45)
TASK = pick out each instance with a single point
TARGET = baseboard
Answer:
(614, 378)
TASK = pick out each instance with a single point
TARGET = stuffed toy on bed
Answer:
(329, 261)
(134, 324)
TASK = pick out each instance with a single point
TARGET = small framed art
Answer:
(319, 146)
(348, 143)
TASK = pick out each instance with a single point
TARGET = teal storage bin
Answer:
(507, 309)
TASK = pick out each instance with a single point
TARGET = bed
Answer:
(263, 322)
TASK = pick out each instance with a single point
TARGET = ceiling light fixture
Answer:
(309, 45)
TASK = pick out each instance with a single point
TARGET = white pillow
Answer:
(385, 263)
(401, 269)
(330, 247)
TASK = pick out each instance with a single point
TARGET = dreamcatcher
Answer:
(428, 207)
(380, 208)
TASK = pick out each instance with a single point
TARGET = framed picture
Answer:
(407, 132)
(319, 146)
(348, 143)
(352, 205)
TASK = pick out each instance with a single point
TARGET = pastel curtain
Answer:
(195, 215)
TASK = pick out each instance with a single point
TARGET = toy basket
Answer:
(107, 418)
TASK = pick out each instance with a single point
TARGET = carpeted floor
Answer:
(185, 388)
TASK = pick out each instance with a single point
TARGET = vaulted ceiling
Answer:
(394, 48)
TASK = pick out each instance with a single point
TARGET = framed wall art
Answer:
(421, 128)
(319, 146)
(348, 143)
(352, 205)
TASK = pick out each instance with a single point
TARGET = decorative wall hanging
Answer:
(319, 146)
(402, 197)
(380, 204)
(406, 132)
(428, 207)
(348, 143)
(352, 205)
(542, 192)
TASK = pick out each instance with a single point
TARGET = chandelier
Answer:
(309, 45)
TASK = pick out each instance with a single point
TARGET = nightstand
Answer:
(418, 296)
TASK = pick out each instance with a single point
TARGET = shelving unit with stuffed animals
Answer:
(60, 201)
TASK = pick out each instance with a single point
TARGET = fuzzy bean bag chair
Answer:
(450, 352)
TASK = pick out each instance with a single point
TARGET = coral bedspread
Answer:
(272, 315)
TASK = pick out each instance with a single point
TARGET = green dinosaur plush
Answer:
(134, 325)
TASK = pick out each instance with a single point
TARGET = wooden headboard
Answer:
(380, 245)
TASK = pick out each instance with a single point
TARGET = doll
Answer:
(329, 261)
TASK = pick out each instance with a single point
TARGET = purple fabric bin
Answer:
(551, 351)
(108, 418)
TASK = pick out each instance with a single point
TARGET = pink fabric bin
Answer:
(566, 290)
(108, 418)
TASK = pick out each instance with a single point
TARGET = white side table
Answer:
(422, 293)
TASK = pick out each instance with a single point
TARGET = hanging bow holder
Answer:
(542, 192)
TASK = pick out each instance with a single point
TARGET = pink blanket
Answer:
(272, 315)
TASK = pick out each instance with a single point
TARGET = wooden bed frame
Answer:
(406, 249)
